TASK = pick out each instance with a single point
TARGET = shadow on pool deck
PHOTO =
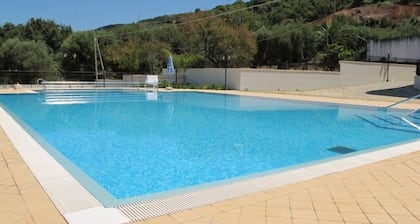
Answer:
(403, 91)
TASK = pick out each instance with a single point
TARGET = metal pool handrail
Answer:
(405, 117)
(402, 101)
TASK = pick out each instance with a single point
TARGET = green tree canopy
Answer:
(294, 43)
(125, 56)
(216, 39)
(26, 55)
(247, 33)
(9, 30)
(48, 31)
(18, 55)
(76, 52)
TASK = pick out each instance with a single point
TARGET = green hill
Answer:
(284, 33)
(257, 33)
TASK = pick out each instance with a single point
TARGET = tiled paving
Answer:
(383, 192)
(22, 199)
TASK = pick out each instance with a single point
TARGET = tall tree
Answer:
(48, 31)
(18, 55)
(335, 40)
(153, 55)
(125, 56)
(217, 39)
(9, 30)
(292, 43)
(77, 52)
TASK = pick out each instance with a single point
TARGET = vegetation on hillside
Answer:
(256, 33)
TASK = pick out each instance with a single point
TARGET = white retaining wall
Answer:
(352, 73)
(399, 50)
(357, 73)
(263, 80)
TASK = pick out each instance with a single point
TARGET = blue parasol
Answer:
(170, 66)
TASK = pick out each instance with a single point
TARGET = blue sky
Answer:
(91, 14)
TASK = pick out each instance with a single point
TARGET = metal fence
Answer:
(388, 58)
(31, 79)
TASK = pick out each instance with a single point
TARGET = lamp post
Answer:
(387, 66)
(71, 59)
(226, 58)
(74, 55)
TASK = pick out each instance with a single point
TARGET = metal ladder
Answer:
(405, 117)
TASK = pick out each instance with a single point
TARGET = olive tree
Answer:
(31, 56)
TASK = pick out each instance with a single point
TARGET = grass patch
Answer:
(213, 86)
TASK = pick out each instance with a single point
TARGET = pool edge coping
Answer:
(72, 200)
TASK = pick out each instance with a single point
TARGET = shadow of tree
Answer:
(404, 91)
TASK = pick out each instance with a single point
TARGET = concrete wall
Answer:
(234, 77)
(205, 76)
(403, 50)
(357, 73)
(262, 79)
(352, 73)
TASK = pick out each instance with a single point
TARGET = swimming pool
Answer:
(133, 143)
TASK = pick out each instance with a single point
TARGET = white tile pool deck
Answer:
(381, 191)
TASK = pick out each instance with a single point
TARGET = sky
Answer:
(91, 14)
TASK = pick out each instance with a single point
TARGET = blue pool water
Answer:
(133, 143)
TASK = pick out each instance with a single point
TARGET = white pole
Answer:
(96, 57)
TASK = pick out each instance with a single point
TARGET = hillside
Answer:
(264, 33)
(377, 12)
(287, 34)
(389, 11)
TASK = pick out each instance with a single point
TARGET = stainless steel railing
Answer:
(405, 117)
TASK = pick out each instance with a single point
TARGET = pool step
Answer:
(82, 97)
